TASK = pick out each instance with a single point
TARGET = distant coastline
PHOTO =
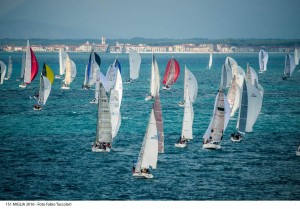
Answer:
(143, 45)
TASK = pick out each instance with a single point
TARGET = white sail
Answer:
(251, 102)
(9, 70)
(45, 89)
(233, 96)
(27, 70)
(73, 70)
(62, 61)
(219, 121)
(134, 63)
(104, 129)
(149, 150)
(289, 65)
(190, 85)
(111, 76)
(210, 61)
(263, 60)
(226, 76)
(188, 116)
(251, 76)
(155, 78)
(297, 56)
(115, 105)
(2, 71)
(23, 66)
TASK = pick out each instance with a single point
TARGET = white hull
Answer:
(37, 109)
(181, 104)
(58, 77)
(211, 146)
(65, 87)
(148, 98)
(180, 145)
(94, 101)
(22, 85)
(298, 153)
(235, 140)
(143, 175)
(165, 88)
(95, 149)
(6, 79)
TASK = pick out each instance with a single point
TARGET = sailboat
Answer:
(62, 56)
(115, 100)
(263, 60)
(104, 137)
(91, 70)
(70, 73)
(190, 84)
(46, 81)
(9, 70)
(155, 80)
(187, 123)
(134, 64)
(149, 151)
(233, 96)
(221, 114)
(31, 67)
(2, 71)
(210, 61)
(251, 77)
(250, 106)
(218, 124)
(289, 67)
(171, 73)
(159, 123)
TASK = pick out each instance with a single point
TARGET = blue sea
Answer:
(46, 155)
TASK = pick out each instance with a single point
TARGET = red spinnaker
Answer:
(172, 72)
(34, 65)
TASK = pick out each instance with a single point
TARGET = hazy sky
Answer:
(150, 18)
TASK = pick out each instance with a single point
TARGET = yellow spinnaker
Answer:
(49, 74)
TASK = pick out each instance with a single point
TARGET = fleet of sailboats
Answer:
(244, 93)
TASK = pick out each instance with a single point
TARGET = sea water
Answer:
(46, 155)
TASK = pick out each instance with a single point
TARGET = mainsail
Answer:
(9, 70)
(70, 71)
(104, 129)
(210, 61)
(62, 61)
(2, 71)
(289, 65)
(190, 85)
(251, 102)
(31, 65)
(134, 63)
(159, 123)
(155, 78)
(297, 56)
(149, 150)
(188, 116)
